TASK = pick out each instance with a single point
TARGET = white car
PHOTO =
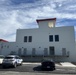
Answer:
(1, 58)
(12, 60)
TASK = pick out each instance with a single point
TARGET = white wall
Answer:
(8, 47)
(40, 40)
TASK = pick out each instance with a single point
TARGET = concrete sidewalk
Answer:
(61, 64)
(67, 64)
(31, 63)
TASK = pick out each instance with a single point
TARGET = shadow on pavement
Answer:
(38, 68)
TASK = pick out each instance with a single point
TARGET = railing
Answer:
(67, 55)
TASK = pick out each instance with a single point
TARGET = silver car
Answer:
(12, 60)
(1, 58)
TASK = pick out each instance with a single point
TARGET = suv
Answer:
(47, 64)
(11, 60)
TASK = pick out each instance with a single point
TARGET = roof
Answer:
(2, 40)
(38, 20)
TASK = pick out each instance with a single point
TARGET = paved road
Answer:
(35, 69)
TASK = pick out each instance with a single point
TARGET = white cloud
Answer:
(4, 2)
(8, 23)
(23, 15)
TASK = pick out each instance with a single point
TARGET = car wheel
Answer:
(15, 65)
(54, 68)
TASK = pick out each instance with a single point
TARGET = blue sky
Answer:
(22, 14)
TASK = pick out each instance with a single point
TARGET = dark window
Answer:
(30, 39)
(25, 39)
(51, 38)
(52, 50)
(56, 37)
(9, 57)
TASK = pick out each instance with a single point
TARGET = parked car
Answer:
(48, 64)
(11, 60)
(1, 58)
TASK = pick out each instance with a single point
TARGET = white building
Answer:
(47, 41)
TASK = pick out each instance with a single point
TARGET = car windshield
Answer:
(9, 57)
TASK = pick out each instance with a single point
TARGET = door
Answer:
(45, 51)
(25, 51)
(51, 50)
(33, 51)
(19, 52)
(64, 51)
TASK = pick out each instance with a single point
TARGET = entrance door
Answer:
(51, 50)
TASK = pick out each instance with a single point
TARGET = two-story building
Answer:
(46, 41)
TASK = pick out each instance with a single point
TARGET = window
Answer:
(7, 46)
(56, 38)
(1, 47)
(30, 39)
(50, 24)
(51, 38)
(25, 38)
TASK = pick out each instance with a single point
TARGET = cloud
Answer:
(16, 14)
(8, 23)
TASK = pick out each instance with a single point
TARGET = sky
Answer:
(22, 14)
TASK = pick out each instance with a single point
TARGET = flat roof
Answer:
(3, 40)
(38, 20)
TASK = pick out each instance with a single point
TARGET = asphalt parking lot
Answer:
(35, 69)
